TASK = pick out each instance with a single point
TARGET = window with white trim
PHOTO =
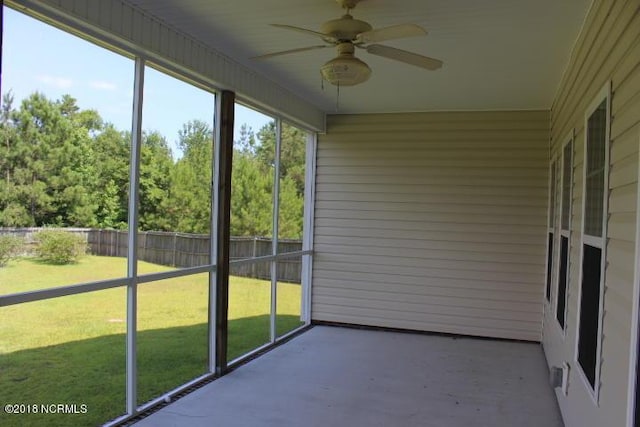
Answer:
(550, 233)
(596, 170)
(565, 227)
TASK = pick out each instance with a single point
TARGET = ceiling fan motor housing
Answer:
(345, 28)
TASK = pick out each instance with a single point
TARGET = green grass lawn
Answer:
(72, 349)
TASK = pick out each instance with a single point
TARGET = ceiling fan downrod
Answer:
(348, 4)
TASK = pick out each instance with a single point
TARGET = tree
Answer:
(292, 151)
(246, 142)
(189, 203)
(292, 174)
(111, 149)
(291, 215)
(251, 197)
(12, 211)
(61, 165)
(47, 163)
(156, 163)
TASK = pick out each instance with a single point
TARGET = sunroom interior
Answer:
(485, 212)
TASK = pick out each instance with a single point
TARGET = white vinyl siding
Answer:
(608, 49)
(433, 222)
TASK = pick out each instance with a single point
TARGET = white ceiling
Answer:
(498, 54)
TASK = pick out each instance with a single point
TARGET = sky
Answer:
(39, 57)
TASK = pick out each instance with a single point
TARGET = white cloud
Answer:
(58, 82)
(102, 85)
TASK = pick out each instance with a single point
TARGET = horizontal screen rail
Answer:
(152, 277)
(270, 257)
(61, 291)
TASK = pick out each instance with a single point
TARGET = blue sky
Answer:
(38, 57)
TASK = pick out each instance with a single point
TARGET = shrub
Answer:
(59, 247)
(10, 247)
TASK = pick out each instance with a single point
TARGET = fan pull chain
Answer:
(337, 93)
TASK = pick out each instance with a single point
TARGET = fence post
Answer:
(175, 248)
(254, 253)
(145, 237)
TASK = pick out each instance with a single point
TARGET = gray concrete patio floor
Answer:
(330, 376)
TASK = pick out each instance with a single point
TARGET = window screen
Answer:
(596, 145)
(552, 215)
(549, 265)
(589, 312)
(567, 175)
(636, 421)
(552, 197)
(562, 282)
(594, 214)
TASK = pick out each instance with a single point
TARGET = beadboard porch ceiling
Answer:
(498, 54)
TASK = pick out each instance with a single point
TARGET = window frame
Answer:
(565, 232)
(603, 95)
(552, 223)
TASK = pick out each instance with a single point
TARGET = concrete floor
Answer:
(331, 376)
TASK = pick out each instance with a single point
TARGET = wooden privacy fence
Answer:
(185, 250)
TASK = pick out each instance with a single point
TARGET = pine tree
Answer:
(189, 203)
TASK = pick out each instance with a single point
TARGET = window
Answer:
(594, 237)
(176, 172)
(269, 184)
(550, 235)
(565, 227)
(252, 234)
(174, 232)
(135, 315)
(589, 303)
(66, 122)
(292, 174)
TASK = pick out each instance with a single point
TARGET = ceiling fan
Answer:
(347, 33)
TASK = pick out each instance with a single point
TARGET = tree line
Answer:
(66, 167)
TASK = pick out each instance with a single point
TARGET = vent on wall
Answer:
(559, 377)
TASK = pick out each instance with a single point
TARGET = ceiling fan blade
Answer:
(324, 37)
(404, 56)
(390, 33)
(287, 52)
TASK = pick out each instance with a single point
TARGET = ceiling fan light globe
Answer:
(345, 71)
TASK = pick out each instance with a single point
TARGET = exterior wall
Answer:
(608, 49)
(433, 222)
